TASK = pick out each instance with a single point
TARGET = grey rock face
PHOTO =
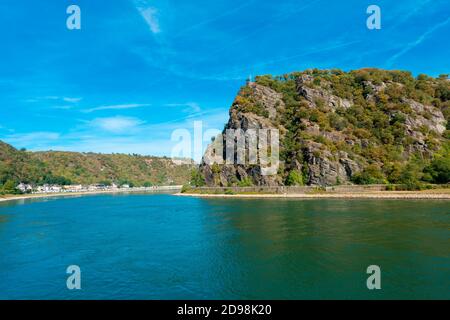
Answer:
(271, 100)
(331, 101)
(229, 174)
(325, 169)
(424, 115)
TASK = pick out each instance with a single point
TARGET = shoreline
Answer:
(415, 195)
(74, 194)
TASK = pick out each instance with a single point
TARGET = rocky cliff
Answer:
(335, 127)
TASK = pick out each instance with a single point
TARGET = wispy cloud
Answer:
(150, 15)
(63, 107)
(185, 69)
(241, 73)
(5, 129)
(116, 107)
(215, 18)
(116, 124)
(71, 100)
(407, 12)
(123, 145)
(188, 106)
(417, 42)
(40, 138)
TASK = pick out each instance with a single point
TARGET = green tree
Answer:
(197, 179)
(439, 170)
(370, 175)
(411, 176)
(246, 182)
(10, 187)
(294, 179)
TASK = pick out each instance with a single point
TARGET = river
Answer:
(160, 246)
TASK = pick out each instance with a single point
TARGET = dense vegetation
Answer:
(380, 121)
(380, 128)
(64, 168)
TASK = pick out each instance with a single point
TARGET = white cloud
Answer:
(116, 107)
(117, 124)
(150, 15)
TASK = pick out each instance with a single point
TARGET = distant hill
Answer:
(361, 127)
(89, 168)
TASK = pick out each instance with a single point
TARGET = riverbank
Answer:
(443, 194)
(4, 198)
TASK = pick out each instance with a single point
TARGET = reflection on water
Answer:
(166, 247)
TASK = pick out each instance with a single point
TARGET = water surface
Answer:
(168, 247)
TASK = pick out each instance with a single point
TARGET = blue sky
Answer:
(139, 69)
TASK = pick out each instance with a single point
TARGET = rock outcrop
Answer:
(333, 126)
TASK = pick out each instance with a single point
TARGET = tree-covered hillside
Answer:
(18, 166)
(87, 168)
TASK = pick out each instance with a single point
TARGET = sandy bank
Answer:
(86, 193)
(433, 194)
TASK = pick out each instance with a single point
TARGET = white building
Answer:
(25, 188)
(48, 189)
